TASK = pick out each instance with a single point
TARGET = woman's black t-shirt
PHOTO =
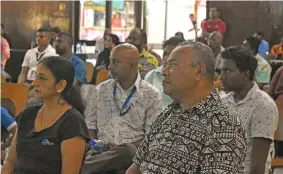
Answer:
(40, 152)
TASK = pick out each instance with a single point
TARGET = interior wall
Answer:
(22, 19)
(243, 18)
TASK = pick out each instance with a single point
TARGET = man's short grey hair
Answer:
(202, 54)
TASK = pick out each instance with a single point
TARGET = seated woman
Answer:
(52, 136)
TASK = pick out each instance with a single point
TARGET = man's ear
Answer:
(200, 70)
(247, 74)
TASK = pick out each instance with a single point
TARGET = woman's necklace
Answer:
(43, 126)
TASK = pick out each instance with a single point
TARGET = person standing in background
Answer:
(263, 48)
(214, 23)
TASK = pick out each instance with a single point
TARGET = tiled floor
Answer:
(278, 171)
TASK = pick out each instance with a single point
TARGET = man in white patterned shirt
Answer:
(121, 112)
(257, 110)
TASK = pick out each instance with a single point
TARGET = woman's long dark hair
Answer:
(62, 69)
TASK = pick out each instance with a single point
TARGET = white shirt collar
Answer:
(47, 49)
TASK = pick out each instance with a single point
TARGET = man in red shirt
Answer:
(214, 23)
(5, 52)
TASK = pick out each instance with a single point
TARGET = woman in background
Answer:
(52, 136)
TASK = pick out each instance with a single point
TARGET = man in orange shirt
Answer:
(277, 50)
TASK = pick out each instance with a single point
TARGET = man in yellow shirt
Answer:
(147, 61)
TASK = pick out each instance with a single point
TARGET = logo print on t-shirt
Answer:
(45, 142)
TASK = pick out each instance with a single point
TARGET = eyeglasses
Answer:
(169, 66)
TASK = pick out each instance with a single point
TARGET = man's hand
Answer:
(100, 67)
(112, 145)
(134, 169)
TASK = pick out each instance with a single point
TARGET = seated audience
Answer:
(257, 110)
(100, 43)
(33, 56)
(155, 77)
(54, 31)
(121, 112)
(214, 23)
(147, 61)
(263, 48)
(214, 41)
(51, 137)
(197, 133)
(155, 55)
(112, 40)
(180, 35)
(277, 50)
(63, 46)
(201, 40)
(263, 70)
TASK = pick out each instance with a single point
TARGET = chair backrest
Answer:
(3, 80)
(18, 93)
(89, 71)
(9, 105)
(102, 76)
(14, 64)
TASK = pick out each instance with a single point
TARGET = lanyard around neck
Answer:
(39, 56)
(124, 108)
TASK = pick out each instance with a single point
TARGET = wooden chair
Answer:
(278, 161)
(3, 80)
(11, 107)
(18, 93)
(89, 71)
(102, 76)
